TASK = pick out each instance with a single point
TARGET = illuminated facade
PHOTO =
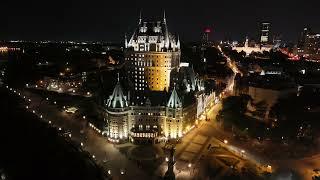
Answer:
(151, 54)
(248, 50)
(143, 123)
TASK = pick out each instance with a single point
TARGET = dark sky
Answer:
(108, 20)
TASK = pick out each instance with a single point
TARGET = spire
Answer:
(174, 101)
(178, 42)
(117, 99)
(166, 40)
(140, 17)
(125, 41)
(246, 44)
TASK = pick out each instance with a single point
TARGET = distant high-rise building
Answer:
(302, 38)
(265, 28)
(309, 44)
(205, 37)
(312, 46)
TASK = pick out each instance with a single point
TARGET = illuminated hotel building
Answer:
(151, 54)
(152, 109)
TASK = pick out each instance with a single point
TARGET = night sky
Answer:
(109, 20)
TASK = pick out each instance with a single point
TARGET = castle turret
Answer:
(117, 112)
(174, 101)
(173, 124)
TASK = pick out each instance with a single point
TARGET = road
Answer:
(304, 165)
(103, 152)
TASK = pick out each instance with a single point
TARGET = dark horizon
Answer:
(109, 21)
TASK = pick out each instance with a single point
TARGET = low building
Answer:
(251, 49)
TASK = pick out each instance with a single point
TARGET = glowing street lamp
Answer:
(189, 165)
(122, 172)
(225, 141)
(243, 151)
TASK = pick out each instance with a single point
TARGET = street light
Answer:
(41, 116)
(55, 102)
(122, 172)
(189, 165)
(225, 141)
(167, 159)
(49, 122)
(47, 99)
(84, 117)
(243, 151)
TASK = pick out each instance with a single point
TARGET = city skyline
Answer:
(105, 21)
(160, 90)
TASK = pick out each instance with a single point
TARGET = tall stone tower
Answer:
(151, 54)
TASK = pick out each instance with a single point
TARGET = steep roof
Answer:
(117, 99)
(174, 101)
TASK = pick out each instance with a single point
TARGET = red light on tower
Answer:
(207, 30)
(205, 37)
